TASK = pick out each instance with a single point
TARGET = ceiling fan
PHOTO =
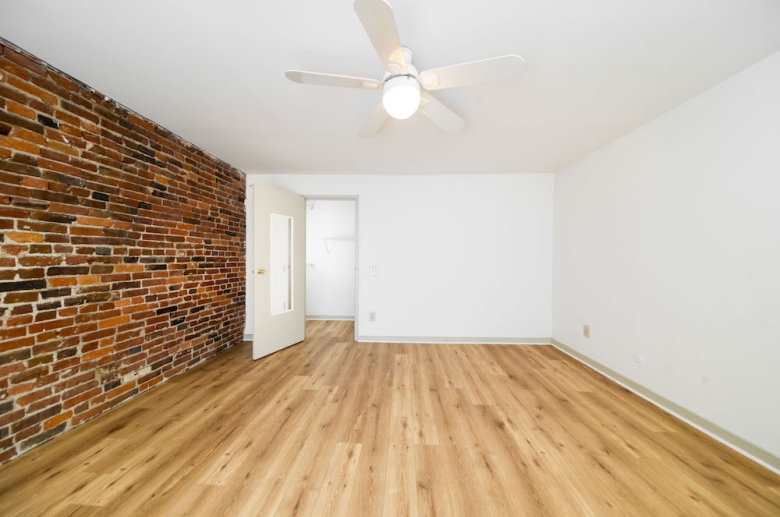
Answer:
(405, 90)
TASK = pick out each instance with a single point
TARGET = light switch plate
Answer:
(371, 270)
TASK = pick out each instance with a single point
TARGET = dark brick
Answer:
(162, 362)
(52, 217)
(146, 150)
(44, 436)
(111, 385)
(16, 355)
(63, 178)
(55, 197)
(70, 271)
(72, 302)
(49, 306)
(14, 121)
(98, 297)
(118, 286)
(46, 121)
(100, 196)
(35, 418)
(55, 293)
(68, 352)
(28, 285)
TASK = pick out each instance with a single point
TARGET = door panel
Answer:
(279, 269)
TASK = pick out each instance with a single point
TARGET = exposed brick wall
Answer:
(121, 253)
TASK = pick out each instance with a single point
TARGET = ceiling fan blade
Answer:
(379, 22)
(475, 72)
(332, 80)
(375, 122)
(440, 114)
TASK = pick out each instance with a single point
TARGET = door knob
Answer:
(261, 271)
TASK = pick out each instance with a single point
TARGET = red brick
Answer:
(32, 90)
(63, 81)
(52, 422)
(20, 110)
(11, 332)
(13, 344)
(20, 388)
(19, 145)
(85, 222)
(81, 397)
(113, 322)
(28, 181)
(14, 69)
(121, 389)
(27, 62)
(22, 320)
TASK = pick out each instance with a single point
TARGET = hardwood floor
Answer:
(334, 427)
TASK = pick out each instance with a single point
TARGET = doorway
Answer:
(331, 258)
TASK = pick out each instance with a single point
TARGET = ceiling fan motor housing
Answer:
(411, 70)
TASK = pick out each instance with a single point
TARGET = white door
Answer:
(279, 270)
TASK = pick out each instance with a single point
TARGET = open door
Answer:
(279, 269)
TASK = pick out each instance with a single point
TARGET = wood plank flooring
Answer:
(334, 427)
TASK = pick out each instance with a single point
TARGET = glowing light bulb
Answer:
(401, 97)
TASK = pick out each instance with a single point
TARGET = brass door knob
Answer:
(261, 271)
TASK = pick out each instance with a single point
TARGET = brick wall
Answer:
(121, 253)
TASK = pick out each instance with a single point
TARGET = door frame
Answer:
(356, 199)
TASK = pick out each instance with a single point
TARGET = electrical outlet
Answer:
(371, 316)
(586, 330)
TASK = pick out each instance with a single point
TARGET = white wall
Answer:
(330, 257)
(667, 242)
(457, 256)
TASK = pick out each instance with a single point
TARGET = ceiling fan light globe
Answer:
(401, 97)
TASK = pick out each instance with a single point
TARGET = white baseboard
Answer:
(731, 440)
(247, 337)
(316, 317)
(457, 340)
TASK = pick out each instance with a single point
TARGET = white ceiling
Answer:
(213, 72)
